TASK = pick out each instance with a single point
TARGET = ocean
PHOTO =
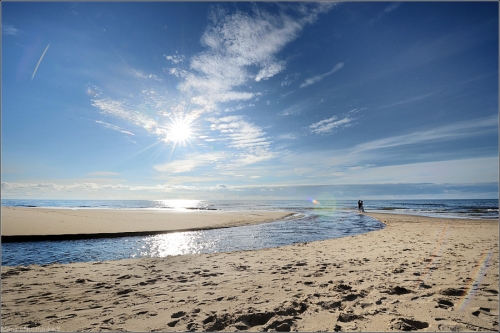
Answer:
(319, 220)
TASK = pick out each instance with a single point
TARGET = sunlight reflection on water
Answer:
(181, 204)
(175, 244)
(312, 226)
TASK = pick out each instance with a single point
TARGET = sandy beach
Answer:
(18, 223)
(418, 273)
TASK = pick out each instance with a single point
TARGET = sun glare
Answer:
(180, 131)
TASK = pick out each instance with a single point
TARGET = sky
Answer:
(224, 100)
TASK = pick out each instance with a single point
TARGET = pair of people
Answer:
(360, 206)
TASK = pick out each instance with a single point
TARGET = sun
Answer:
(180, 131)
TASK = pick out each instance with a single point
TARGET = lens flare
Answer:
(436, 253)
(475, 279)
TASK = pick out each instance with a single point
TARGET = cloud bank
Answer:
(332, 192)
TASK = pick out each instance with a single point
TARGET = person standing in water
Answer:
(360, 206)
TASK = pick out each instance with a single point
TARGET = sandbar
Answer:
(24, 224)
(418, 274)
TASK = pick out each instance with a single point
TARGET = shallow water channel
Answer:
(311, 226)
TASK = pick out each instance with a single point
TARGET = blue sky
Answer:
(250, 100)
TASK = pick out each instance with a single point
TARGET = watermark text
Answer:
(30, 329)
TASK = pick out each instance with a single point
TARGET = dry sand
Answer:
(418, 273)
(19, 223)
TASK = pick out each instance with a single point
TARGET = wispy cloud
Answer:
(140, 75)
(113, 127)
(320, 77)
(176, 71)
(297, 108)
(408, 100)
(270, 71)
(361, 167)
(238, 43)
(472, 170)
(240, 133)
(120, 109)
(10, 30)
(104, 174)
(289, 79)
(287, 136)
(175, 58)
(382, 154)
(252, 156)
(247, 138)
(189, 163)
(388, 9)
(180, 166)
(328, 125)
(238, 107)
(452, 131)
(391, 7)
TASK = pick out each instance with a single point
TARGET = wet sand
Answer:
(418, 273)
(25, 224)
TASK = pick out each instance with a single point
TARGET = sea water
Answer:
(314, 221)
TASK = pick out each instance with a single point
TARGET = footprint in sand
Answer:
(328, 305)
(451, 327)
(348, 317)
(484, 311)
(444, 304)
(452, 292)
(173, 323)
(491, 291)
(404, 324)
(178, 314)
(350, 297)
(109, 321)
(398, 291)
(31, 324)
(124, 291)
